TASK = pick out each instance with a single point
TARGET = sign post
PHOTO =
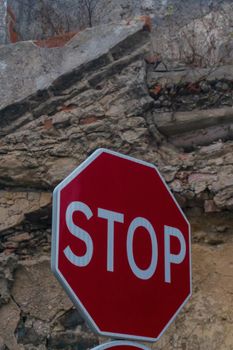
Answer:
(121, 246)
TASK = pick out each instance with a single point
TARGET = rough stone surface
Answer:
(197, 32)
(8, 264)
(196, 128)
(14, 206)
(3, 15)
(42, 66)
(206, 322)
(9, 318)
(37, 19)
(204, 40)
(109, 98)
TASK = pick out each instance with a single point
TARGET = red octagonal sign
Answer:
(121, 246)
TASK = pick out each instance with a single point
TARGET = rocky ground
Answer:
(72, 100)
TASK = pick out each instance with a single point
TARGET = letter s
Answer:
(78, 232)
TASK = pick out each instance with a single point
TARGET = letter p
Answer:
(172, 258)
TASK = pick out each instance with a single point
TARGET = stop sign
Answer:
(121, 345)
(121, 246)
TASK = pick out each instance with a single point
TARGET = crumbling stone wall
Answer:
(40, 19)
(111, 97)
(3, 15)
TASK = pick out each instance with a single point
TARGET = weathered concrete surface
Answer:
(3, 26)
(9, 318)
(15, 205)
(39, 313)
(185, 74)
(108, 102)
(204, 40)
(207, 322)
(37, 19)
(179, 122)
(41, 66)
(196, 128)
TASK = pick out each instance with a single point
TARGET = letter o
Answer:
(143, 274)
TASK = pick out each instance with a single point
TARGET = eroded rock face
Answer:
(33, 20)
(42, 66)
(3, 15)
(197, 32)
(206, 322)
(116, 99)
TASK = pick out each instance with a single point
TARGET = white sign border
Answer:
(120, 343)
(55, 239)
